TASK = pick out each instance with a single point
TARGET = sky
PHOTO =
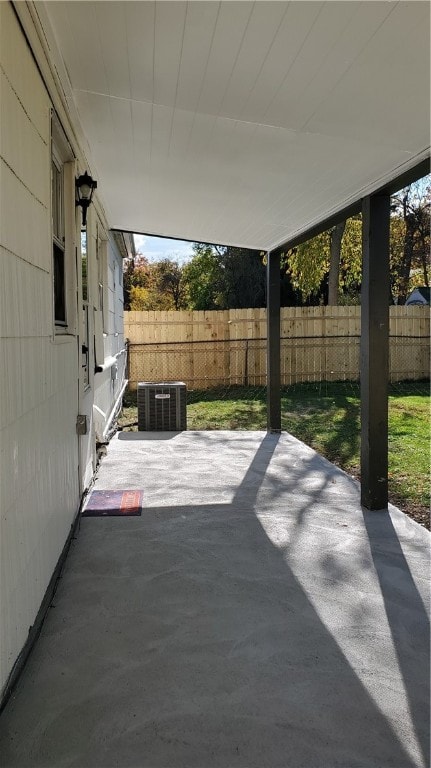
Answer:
(157, 248)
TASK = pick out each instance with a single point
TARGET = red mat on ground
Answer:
(113, 503)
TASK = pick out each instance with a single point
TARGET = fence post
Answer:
(246, 364)
(273, 382)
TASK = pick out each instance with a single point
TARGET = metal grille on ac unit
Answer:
(162, 406)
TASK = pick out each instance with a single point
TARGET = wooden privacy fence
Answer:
(224, 348)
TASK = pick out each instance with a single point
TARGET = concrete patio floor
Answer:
(253, 616)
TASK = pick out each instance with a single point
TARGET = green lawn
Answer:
(326, 417)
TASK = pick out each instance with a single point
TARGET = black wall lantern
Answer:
(85, 187)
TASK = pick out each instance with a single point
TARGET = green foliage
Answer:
(136, 274)
(243, 279)
(169, 283)
(202, 278)
(138, 297)
(351, 258)
(410, 239)
(224, 278)
(153, 286)
(149, 299)
(308, 264)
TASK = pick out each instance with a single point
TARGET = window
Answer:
(104, 274)
(58, 246)
(100, 256)
(85, 349)
(63, 228)
(99, 309)
(84, 264)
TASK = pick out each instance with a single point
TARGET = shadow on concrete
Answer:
(183, 638)
(402, 600)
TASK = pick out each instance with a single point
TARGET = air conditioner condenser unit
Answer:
(162, 406)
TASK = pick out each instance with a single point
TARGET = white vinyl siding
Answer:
(39, 493)
(44, 465)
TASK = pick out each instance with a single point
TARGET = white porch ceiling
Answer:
(244, 123)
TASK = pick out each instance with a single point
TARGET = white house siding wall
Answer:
(109, 382)
(43, 467)
(38, 391)
(98, 396)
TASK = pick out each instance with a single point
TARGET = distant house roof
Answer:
(419, 295)
(125, 243)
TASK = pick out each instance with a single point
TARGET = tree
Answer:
(168, 278)
(139, 298)
(410, 239)
(224, 277)
(136, 274)
(202, 278)
(153, 286)
(335, 256)
(308, 264)
(327, 268)
(350, 274)
(336, 238)
(243, 279)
